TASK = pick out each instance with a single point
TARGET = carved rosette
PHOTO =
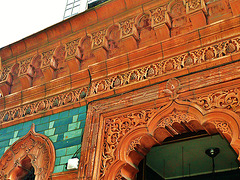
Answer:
(37, 147)
(46, 57)
(222, 99)
(71, 47)
(172, 87)
(115, 129)
(98, 39)
(158, 16)
(23, 66)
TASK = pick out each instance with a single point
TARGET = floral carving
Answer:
(71, 47)
(46, 57)
(134, 144)
(192, 5)
(172, 88)
(223, 127)
(23, 66)
(4, 73)
(168, 65)
(158, 15)
(98, 38)
(175, 116)
(119, 176)
(222, 99)
(42, 105)
(127, 27)
(115, 129)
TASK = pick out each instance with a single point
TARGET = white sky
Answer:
(21, 18)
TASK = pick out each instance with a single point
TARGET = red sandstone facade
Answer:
(140, 66)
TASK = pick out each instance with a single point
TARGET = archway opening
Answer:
(183, 157)
(23, 171)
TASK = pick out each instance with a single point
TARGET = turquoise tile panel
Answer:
(64, 129)
(72, 134)
(71, 150)
(73, 126)
(61, 152)
(49, 132)
(58, 169)
(75, 118)
(64, 159)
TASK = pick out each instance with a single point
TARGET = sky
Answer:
(21, 18)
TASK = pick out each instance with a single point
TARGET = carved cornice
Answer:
(168, 65)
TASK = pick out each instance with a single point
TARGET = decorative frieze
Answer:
(167, 65)
(43, 105)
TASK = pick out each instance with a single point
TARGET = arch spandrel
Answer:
(125, 153)
(37, 147)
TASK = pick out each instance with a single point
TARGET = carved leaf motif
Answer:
(98, 37)
(127, 26)
(23, 66)
(115, 129)
(223, 127)
(175, 116)
(46, 57)
(71, 47)
(158, 15)
(4, 73)
(223, 99)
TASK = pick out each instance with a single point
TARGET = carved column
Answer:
(99, 45)
(129, 35)
(160, 22)
(195, 9)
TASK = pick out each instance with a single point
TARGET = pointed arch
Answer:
(175, 118)
(34, 150)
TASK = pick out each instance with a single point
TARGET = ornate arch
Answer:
(31, 150)
(128, 138)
